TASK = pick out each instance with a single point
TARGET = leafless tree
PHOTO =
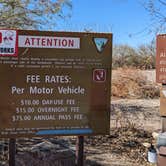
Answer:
(31, 14)
(142, 57)
(157, 11)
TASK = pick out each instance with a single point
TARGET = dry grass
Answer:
(131, 83)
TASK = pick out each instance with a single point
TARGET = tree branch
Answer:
(162, 2)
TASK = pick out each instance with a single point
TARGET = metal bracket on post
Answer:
(163, 124)
(163, 118)
(80, 151)
(12, 151)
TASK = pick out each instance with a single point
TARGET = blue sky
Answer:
(121, 17)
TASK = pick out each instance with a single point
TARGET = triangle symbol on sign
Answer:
(100, 43)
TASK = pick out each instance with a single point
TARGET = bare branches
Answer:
(162, 2)
(32, 14)
(158, 15)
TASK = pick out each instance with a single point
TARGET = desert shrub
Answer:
(131, 83)
(142, 57)
(123, 55)
(147, 56)
(150, 91)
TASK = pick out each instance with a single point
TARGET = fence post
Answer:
(12, 151)
(80, 151)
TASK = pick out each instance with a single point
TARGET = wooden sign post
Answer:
(80, 151)
(12, 151)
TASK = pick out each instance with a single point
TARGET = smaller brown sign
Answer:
(161, 59)
(163, 101)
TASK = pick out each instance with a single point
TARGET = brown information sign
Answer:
(54, 83)
(161, 59)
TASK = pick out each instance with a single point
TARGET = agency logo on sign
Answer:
(100, 43)
(8, 43)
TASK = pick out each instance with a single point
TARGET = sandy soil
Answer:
(143, 113)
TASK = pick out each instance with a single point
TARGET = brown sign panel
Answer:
(161, 59)
(54, 83)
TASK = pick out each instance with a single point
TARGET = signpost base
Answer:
(80, 151)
